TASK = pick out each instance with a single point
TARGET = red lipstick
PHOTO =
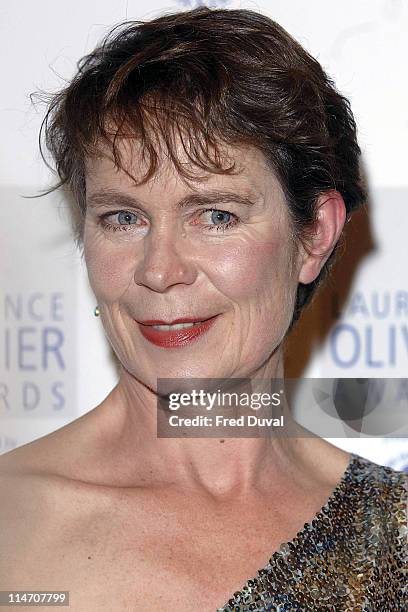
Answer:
(174, 338)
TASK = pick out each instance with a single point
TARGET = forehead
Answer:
(252, 174)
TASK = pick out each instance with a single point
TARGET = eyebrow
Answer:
(108, 197)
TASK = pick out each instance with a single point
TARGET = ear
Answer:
(331, 216)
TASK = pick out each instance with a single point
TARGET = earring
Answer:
(97, 312)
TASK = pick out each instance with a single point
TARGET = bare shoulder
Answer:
(30, 473)
(55, 453)
(34, 477)
(24, 513)
(44, 508)
(26, 496)
(322, 464)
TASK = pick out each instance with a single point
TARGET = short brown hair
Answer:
(210, 77)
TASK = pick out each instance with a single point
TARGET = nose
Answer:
(167, 260)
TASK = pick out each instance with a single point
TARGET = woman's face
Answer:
(159, 252)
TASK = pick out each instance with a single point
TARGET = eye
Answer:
(219, 220)
(220, 216)
(125, 219)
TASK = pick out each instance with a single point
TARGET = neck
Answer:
(220, 465)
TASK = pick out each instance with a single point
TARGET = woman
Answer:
(213, 166)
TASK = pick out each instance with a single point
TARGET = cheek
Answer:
(109, 272)
(256, 276)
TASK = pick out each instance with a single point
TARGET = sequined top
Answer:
(352, 556)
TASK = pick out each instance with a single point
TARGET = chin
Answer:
(179, 379)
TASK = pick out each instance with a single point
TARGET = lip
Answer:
(174, 338)
(182, 320)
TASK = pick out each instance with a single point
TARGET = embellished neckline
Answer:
(286, 548)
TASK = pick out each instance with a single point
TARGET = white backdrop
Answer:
(55, 363)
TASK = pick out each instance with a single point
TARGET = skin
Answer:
(117, 501)
(171, 265)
